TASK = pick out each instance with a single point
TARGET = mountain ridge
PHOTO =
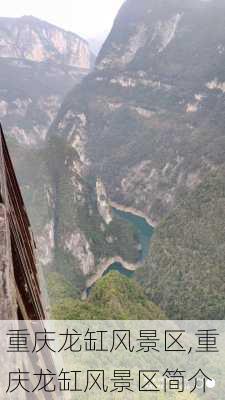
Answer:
(32, 19)
(39, 64)
(32, 89)
(31, 38)
(148, 121)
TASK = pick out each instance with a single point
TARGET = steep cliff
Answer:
(152, 103)
(35, 40)
(39, 64)
(149, 123)
(83, 233)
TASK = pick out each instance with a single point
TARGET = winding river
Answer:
(144, 231)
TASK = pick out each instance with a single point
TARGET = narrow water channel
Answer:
(144, 231)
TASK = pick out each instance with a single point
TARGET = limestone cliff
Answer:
(35, 40)
(104, 207)
(152, 103)
(39, 64)
(149, 119)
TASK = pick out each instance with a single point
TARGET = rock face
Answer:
(84, 231)
(30, 96)
(35, 40)
(104, 207)
(39, 64)
(152, 129)
(152, 103)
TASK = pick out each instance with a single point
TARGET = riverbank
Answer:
(145, 228)
(104, 266)
(133, 211)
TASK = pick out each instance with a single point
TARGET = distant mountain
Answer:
(39, 64)
(148, 121)
(32, 39)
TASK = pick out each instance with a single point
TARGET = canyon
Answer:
(140, 131)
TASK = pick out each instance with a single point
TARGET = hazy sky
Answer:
(88, 18)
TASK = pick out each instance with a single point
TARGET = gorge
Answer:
(131, 145)
(149, 122)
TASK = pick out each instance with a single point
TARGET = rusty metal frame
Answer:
(21, 238)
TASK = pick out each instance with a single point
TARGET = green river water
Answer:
(144, 231)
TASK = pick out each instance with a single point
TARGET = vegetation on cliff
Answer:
(149, 121)
(114, 297)
(154, 102)
(75, 212)
(184, 272)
